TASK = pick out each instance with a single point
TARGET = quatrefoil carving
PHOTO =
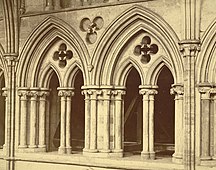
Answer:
(62, 55)
(91, 28)
(145, 49)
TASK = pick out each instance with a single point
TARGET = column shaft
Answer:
(145, 151)
(205, 122)
(68, 125)
(118, 123)
(23, 119)
(214, 126)
(106, 136)
(42, 119)
(33, 121)
(87, 121)
(151, 126)
(93, 138)
(62, 127)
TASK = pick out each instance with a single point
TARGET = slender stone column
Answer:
(205, 122)
(106, 106)
(145, 152)
(33, 117)
(49, 5)
(118, 120)
(93, 126)
(62, 147)
(69, 94)
(44, 92)
(23, 94)
(5, 94)
(213, 91)
(87, 120)
(151, 93)
(178, 91)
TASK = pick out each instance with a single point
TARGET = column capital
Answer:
(65, 92)
(118, 93)
(34, 92)
(213, 91)
(148, 91)
(189, 48)
(177, 89)
(23, 92)
(43, 93)
(205, 90)
(5, 91)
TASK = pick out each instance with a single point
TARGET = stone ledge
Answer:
(132, 162)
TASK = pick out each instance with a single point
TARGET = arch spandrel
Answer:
(128, 24)
(42, 38)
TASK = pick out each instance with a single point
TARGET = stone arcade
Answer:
(95, 84)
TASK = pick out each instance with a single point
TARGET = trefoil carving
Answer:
(91, 28)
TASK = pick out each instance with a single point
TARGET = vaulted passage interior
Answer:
(133, 114)
(164, 117)
(77, 115)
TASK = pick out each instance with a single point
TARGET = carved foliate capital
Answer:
(118, 94)
(4, 92)
(65, 93)
(23, 94)
(213, 91)
(189, 48)
(205, 92)
(43, 94)
(148, 91)
(177, 90)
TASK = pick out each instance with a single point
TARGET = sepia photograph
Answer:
(107, 85)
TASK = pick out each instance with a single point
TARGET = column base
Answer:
(61, 150)
(177, 158)
(68, 150)
(205, 158)
(22, 146)
(145, 155)
(152, 155)
(49, 8)
(105, 151)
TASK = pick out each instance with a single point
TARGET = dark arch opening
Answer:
(78, 115)
(54, 114)
(2, 112)
(133, 114)
(164, 118)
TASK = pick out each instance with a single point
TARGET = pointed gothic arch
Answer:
(126, 25)
(39, 41)
(71, 73)
(46, 75)
(121, 74)
(206, 61)
(155, 69)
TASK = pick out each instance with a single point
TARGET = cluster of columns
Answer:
(65, 95)
(208, 111)
(106, 96)
(33, 103)
(148, 93)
